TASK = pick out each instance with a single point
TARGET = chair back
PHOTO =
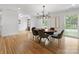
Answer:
(60, 34)
(34, 32)
(41, 33)
(33, 28)
(52, 28)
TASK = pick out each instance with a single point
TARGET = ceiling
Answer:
(32, 9)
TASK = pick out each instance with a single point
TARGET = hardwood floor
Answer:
(23, 43)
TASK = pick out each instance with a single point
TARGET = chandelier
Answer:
(43, 14)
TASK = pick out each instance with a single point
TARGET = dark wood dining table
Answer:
(48, 31)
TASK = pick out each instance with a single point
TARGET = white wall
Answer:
(0, 22)
(52, 21)
(9, 22)
(23, 24)
(35, 22)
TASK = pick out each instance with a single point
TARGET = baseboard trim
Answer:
(71, 36)
(12, 34)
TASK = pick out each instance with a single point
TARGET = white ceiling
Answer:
(34, 8)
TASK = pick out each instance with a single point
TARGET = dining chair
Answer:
(42, 35)
(34, 32)
(33, 28)
(52, 28)
(58, 35)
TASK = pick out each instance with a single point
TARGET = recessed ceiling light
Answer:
(19, 8)
(73, 5)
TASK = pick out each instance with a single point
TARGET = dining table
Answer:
(50, 32)
(47, 31)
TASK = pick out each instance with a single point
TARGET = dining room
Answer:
(38, 28)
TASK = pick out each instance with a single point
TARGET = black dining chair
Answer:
(58, 36)
(52, 28)
(33, 28)
(42, 35)
(34, 32)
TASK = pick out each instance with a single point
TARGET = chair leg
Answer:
(48, 39)
(39, 40)
(59, 42)
(33, 37)
(37, 37)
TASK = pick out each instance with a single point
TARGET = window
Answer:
(71, 22)
(44, 23)
(71, 25)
